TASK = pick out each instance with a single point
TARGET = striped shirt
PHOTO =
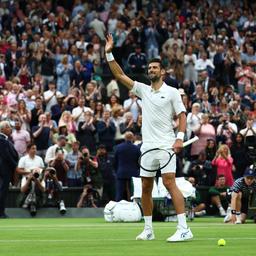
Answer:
(240, 186)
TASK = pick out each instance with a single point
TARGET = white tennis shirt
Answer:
(158, 109)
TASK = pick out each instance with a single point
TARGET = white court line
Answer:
(122, 225)
(110, 240)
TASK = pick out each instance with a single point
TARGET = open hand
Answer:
(109, 43)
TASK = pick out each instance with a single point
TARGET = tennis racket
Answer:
(156, 159)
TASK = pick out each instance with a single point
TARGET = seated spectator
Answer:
(201, 169)
(241, 192)
(74, 175)
(224, 164)
(219, 195)
(30, 167)
(198, 207)
(52, 190)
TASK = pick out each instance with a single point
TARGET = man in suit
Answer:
(126, 165)
(8, 163)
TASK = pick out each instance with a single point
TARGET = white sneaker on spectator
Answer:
(201, 213)
(227, 218)
(180, 235)
(238, 219)
(222, 212)
(62, 207)
(146, 234)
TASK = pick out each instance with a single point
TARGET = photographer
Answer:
(106, 168)
(226, 130)
(61, 165)
(30, 167)
(52, 190)
(201, 169)
(91, 177)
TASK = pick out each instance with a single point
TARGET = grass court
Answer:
(61, 237)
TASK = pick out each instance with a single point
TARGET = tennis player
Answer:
(159, 104)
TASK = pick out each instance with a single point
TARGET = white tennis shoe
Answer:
(146, 234)
(182, 234)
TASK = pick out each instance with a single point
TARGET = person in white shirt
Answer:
(50, 96)
(78, 112)
(29, 164)
(51, 151)
(159, 103)
(249, 130)
(204, 63)
(133, 105)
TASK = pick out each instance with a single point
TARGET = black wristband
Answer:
(233, 211)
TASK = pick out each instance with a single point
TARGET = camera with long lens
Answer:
(225, 125)
(84, 156)
(52, 172)
(36, 175)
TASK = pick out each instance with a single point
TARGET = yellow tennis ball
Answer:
(221, 242)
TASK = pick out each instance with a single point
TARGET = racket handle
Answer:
(188, 142)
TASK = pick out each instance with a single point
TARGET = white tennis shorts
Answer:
(153, 159)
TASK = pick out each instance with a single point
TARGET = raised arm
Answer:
(114, 67)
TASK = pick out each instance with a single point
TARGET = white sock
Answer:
(182, 222)
(148, 222)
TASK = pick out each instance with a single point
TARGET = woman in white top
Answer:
(193, 118)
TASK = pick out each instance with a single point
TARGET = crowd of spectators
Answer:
(55, 89)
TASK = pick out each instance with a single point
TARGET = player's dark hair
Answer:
(156, 60)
